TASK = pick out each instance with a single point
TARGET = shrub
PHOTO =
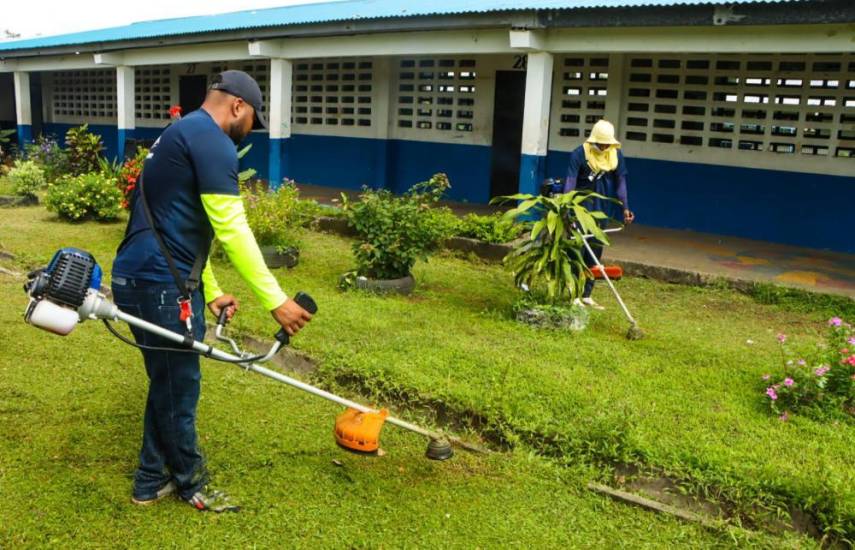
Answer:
(550, 256)
(87, 196)
(393, 232)
(47, 153)
(83, 149)
(821, 383)
(494, 228)
(128, 174)
(277, 218)
(27, 178)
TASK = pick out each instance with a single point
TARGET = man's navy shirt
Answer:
(190, 158)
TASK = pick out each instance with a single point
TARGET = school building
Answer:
(736, 117)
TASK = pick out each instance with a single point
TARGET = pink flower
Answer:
(851, 360)
(766, 376)
(782, 338)
(773, 395)
(784, 417)
(789, 382)
(802, 362)
(851, 341)
(835, 321)
(822, 370)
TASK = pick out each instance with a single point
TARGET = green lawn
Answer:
(684, 400)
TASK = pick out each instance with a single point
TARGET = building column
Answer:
(125, 103)
(535, 135)
(279, 119)
(383, 109)
(23, 109)
(614, 90)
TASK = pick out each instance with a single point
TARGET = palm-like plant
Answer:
(551, 253)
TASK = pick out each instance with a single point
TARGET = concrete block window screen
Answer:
(579, 97)
(83, 96)
(153, 95)
(436, 94)
(788, 105)
(333, 93)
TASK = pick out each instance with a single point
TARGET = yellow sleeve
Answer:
(228, 218)
(209, 283)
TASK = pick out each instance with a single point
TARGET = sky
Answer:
(38, 17)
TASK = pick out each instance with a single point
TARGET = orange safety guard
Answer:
(614, 272)
(360, 431)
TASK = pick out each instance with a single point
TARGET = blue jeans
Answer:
(170, 447)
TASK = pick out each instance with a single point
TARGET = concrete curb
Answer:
(494, 253)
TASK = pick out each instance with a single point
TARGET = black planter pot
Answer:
(12, 200)
(274, 259)
(403, 286)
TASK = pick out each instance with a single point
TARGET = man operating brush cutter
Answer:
(187, 194)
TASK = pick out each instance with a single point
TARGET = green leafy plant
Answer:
(494, 228)
(821, 382)
(83, 149)
(245, 175)
(550, 256)
(49, 155)
(27, 178)
(393, 232)
(278, 218)
(87, 196)
(5, 138)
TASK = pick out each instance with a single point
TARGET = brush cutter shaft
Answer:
(609, 281)
(204, 349)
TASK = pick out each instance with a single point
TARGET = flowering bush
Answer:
(821, 384)
(49, 155)
(87, 196)
(128, 175)
(27, 178)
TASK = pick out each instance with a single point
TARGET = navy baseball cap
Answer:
(240, 84)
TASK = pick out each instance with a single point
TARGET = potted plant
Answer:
(548, 261)
(392, 233)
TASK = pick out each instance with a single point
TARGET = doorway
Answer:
(507, 132)
(191, 92)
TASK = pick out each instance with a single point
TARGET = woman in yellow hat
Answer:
(598, 165)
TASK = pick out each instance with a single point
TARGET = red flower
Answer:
(175, 111)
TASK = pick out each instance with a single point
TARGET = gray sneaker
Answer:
(207, 500)
(163, 492)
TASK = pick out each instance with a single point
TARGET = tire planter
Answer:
(275, 259)
(402, 286)
(11, 200)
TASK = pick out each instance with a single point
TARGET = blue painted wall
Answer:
(109, 135)
(468, 167)
(801, 209)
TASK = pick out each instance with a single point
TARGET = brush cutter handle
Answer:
(223, 319)
(304, 301)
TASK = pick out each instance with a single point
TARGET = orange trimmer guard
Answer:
(614, 272)
(359, 431)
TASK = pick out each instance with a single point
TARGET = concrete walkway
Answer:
(697, 258)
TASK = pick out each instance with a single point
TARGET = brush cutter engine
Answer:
(57, 291)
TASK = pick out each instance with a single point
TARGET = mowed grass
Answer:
(71, 417)
(686, 399)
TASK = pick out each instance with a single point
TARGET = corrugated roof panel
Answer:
(330, 12)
